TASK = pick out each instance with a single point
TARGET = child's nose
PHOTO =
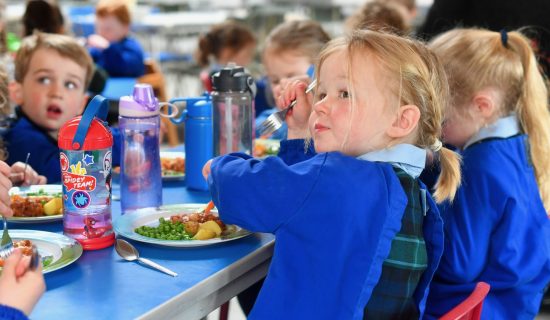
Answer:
(321, 106)
(56, 90)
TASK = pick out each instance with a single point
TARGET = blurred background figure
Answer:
(290, 50)
(226, 42)
(43, 15)
(111, 47)
(380, 15)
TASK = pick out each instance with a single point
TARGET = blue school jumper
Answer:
(334, 218)
(496, 230)
(24, 136)
(10, 313)
(121, 59)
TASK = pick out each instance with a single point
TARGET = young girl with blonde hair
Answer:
(350, 215)
(497, 228)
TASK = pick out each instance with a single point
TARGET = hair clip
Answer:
(504, 37)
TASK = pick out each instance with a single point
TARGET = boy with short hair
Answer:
(111, 48)
(52, 73)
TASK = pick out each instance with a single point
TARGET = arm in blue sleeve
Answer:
(10, 313)
(260, 195)
(294, 151)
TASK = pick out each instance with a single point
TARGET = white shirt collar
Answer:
(502, 128)
(407, 157)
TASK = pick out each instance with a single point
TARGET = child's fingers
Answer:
(22, 266)
(206, 169)
(11, 264)
(4, 168)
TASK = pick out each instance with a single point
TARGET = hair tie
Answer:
(504, 37)
(437, 145)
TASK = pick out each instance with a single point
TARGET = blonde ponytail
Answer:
(449, 179)
(532, 110)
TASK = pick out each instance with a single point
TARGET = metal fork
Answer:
(6, 244)
(276, 119)
(6, 248)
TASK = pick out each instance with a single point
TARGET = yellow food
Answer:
(54, 206)
(212, 226)
(204, 234)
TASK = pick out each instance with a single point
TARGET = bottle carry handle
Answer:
(97, 107)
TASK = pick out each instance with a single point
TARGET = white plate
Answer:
(48, 189)
(62, 249)
(170, 155)
(126, 224)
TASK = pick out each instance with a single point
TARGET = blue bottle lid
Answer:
(200, 109)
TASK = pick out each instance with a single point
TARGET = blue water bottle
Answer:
(197, 118)
(140, 170)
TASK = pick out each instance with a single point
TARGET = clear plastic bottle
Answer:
(140, 170)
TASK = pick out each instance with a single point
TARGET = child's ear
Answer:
(484, 103)
(16, 92)
(405, 123)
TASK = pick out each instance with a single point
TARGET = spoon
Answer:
(129, 253)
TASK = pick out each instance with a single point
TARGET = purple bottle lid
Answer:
(142, 103)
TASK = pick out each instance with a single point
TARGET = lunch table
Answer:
(100, 285)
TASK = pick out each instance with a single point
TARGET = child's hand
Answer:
(297, 118)
(31, 177)
(5, 185)
(21, 287)
(97, 41)
(206, 169)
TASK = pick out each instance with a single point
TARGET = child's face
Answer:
(459, 127)
(242, 57)
(284, 65)
(53, 89)
(110, 28)
(333, 124)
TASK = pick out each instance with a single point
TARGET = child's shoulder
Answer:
(362, 171)
(496, 154)
(24, 132)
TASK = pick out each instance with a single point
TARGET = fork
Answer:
(276, 119)
(6, 244)
(6, 248)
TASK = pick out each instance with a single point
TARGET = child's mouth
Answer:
(319, 127)
(54, 112)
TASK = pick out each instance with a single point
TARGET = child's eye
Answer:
(320, 96)
(343, 94)
(44, 80)
(71, 85)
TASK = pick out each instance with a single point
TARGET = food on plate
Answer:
(265, 147)
(172, 166)
(36, 204)
(187, 226)
(26, 248)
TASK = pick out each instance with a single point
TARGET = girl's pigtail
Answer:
(532, 110)
(449, 178)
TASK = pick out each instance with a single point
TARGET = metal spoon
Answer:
(129, 253)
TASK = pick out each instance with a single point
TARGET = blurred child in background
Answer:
(380, 15)
(111, 47)
(44, 16)
(353, 217)
(496, 230)
(290, 51)
(226, 42)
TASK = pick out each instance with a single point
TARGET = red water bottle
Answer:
(85, 157)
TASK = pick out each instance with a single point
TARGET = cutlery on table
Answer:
(276, 119)
(16, 177)
(129, 253)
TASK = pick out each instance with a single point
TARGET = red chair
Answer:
(470, 308)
